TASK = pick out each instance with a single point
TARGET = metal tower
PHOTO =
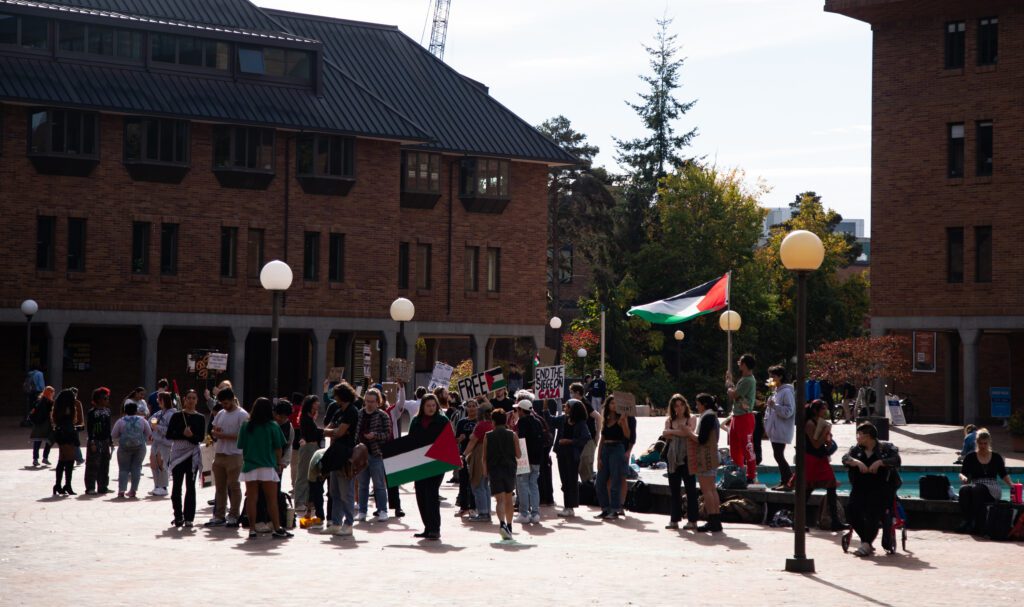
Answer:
(439, 32)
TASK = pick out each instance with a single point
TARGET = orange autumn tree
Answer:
(860, 360)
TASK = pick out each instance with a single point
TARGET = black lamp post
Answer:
(275, 277)
(402, 311)
(801, 252)
(29, 307)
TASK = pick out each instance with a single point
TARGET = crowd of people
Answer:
(334, 443)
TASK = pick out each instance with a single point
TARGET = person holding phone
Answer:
(611, 467)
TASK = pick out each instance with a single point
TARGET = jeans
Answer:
(226, 469)
(682, 476)
(779, 450)
(610, 475)
(162, 472)
(97, 465)
(529, 491)
(129, 463)
(374, 470)
(183, 474)
(46, 449)
(482, 496)
(341, 499)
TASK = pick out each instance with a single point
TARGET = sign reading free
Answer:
(481, 384)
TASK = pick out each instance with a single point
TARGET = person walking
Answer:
(131, 432)
(979, 477)
(501, 448)
(572, 435)
(42, 429)
(531, 428)
(374, 431)
(160, 454)
(99, 443)
(611, 468)
(185, 431)
(874, 479)
(702, 456)
(66, 418)
(261, 442)
(33, 387)
(779, 422)
(428, 422)
(679, 427)
(743, 395)
(311, 438)
(227, 459)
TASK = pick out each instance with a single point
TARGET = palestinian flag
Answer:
(698, 301)
(413, 458)
(495, 379)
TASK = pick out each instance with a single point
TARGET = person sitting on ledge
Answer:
(874, 480)
(980, 476)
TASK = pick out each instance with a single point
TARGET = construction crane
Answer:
(439, 32)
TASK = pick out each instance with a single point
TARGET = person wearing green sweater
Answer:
(261, 441)
(743, 395)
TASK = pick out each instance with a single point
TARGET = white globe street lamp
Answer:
(29, 307)
(730, 321)
(556, 323)
(276, 276)
(402, 311)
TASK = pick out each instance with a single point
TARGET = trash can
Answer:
(881, 423)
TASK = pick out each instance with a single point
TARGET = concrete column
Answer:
(878, 385)
(150, 345)
(410, 345)
(478, 351)
(236, 360)
(388, 351)
(969, 340)
(346, 339)
(55, 350)
(320, 339)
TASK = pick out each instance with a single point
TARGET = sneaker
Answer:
(399, 513)
(865, 549)
(215, 522)
(522, 519)
(187, 524)
(332, 528)
(131, 495)
(253, 535)
(346, 530)
(479, 518)
(613, 516)
(566, 513)
(382, 517)
(603, 515)
(35, 463)
(231, 522)
(46, 462)
(690, 526)
(263, 528)
(120, 495)
(153, 492)
(620, 512)
(672, 525)
(504, 531)
(535, 519)
(103, 491)
(177, 522)
(433, 536)
(361, 517)
(462, 513)
(159, 492)
(90, 492)
(281, 533)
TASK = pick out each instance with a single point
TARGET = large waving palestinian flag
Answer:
(698, 301)
(413, 458)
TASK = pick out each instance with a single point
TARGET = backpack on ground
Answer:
(132, 436)
(999, 523)
(734, 478)
(825, 519)
(638, 497)
(934, 487)
(1017, 533)
(743, 510)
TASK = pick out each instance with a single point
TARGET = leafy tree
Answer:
(860, 360)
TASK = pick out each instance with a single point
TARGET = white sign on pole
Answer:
(218, 361)
(441, 376)
(549, 382)
(523, 462)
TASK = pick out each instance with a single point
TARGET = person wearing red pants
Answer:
(743, 395)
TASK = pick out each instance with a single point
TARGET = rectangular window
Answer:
(46, 241)
(254, 254)
(983, 141)
(421, 172)
(140, 247)
(403, 265)
(956, 150)
(324, 156)
(956, 42)
(243, 148)
(250, 61)
(336, 258)
(190, 51)
(983, 254)
(485, 177)
(954, 255)
(565, 267)
(472, 268)
(311, 256)
(493, 270)
(26, 32)
(63, 132)
(988, 41)
(286, 64)
(156, 140)
(169, 249)
(228, 252)
(74, 37)
(423, 266)
(76, 245)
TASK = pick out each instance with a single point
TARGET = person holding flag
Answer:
(429, 422)
(743, 395)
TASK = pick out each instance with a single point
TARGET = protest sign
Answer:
(549, 382)
(481, 384)
(523, 461)
(218, 361)
(390, 392)
(625, 403)
(441, 376)
(336, 374)
(400, 370)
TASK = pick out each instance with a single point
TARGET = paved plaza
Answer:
(96, 550)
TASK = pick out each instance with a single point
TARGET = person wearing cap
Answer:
(531, 429)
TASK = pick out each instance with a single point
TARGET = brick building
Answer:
(157, 154)
(947, 172)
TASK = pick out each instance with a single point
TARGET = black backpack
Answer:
(638, 497)
(934, 487)
(1000, 521)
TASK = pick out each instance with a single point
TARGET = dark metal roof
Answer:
(345, 108)
(229, 13)
(126, 20)
(457, 111)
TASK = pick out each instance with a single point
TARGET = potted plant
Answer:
(1016, 426)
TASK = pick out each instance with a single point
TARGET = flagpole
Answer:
(728, 308)
(602, 341)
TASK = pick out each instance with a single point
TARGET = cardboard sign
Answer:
(441, 376)
(549, 382)
(523, 462)
(625, 403)
(546, 356)
(367, 360)
(896, 411)
(390, 392)
(218, 361)
(400, 370)
(336, 374)
(481, 384)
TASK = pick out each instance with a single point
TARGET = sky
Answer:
(783, 89)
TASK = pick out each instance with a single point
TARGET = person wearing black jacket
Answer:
(100, 445)
(531, 428)
(571, 438)
(429, 421)
(308, 494)
(186, 430)
(874, 478)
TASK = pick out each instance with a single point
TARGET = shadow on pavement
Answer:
(511, 546)
(262, 546)
(715, 539)
(905, 561)
(535, 529)
(428, 546)
(862, 597)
